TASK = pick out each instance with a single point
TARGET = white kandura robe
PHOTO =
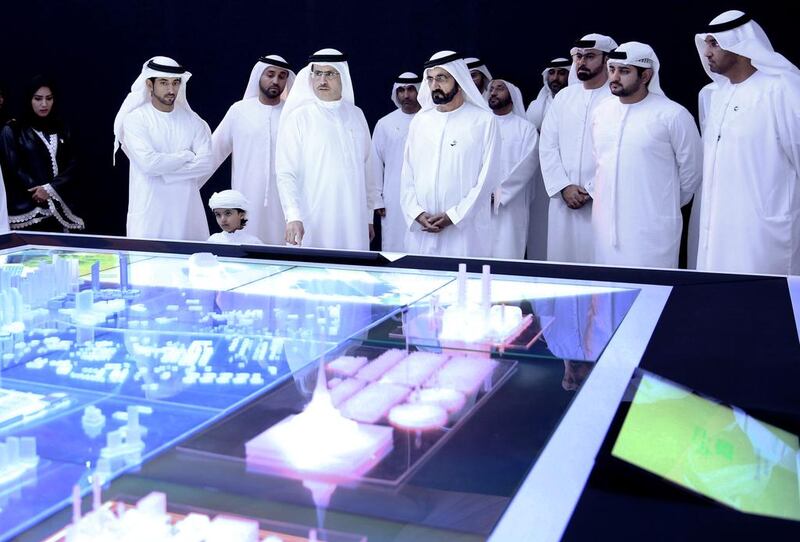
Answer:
(582, 324)
(451, 165)
(389, 141)
(519, 163)
(249, 130)
(4, 227)
(327, 174)
(238, 237)
(170, 156)
(565, 153)
(750, 204)
(540, 200)
(538, 109)
(693, 234)
(649, 163)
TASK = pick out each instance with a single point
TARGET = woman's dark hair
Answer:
(52, 122)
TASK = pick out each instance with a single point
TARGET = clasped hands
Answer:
(433, 223)
(575, 196)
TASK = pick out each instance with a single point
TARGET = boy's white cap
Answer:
(228, 199)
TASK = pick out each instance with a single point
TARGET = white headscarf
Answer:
(303, 91)
(600, 42)
(405, 79)
(516, 97)
(228, 199)
(634, 53)
(457, 67)
(252, 90)
(556, 63)
(738, 33)
(477, 64)
(158, 66)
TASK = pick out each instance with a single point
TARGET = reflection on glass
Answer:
(349, 285)
(576, 322)
(713, 449)
(575, 373)
(176, 272)
(584, 324)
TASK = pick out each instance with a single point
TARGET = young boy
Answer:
(230, 210)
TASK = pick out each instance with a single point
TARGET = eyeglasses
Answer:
(441, 78)
(588, 57)
(324, 75)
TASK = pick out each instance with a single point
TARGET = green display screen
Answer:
(713, 449)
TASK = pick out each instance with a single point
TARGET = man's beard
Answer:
(271, 91)
(166, 99)
(586, 75)
(495, 104)
(555, 86)
(622, 92)
(440, 98)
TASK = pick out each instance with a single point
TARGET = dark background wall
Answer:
(95, 49)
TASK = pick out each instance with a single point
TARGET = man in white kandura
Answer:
(389, 141)
(480, 74)
(249, 130)
(555, 78)
(649, 163)
(325, 165)
(749, 220)
(519, 162)
(565, 152)
(451, 164)
(169, 147)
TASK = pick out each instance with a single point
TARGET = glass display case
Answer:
(336, 401)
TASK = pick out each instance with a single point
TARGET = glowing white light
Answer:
(418, 416)
(320, 441)
(450, 400)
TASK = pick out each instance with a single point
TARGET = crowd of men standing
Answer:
(596, 170)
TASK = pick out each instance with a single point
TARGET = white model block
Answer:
(192, 528)
(93, 418)
(154, 504)
(462, 284)
(228, 529)
(346, 365)
(27, 450)
(415, 369)
(463, 373)
(12, 447)
(373, 402)
(378, 367)
(84, 301)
